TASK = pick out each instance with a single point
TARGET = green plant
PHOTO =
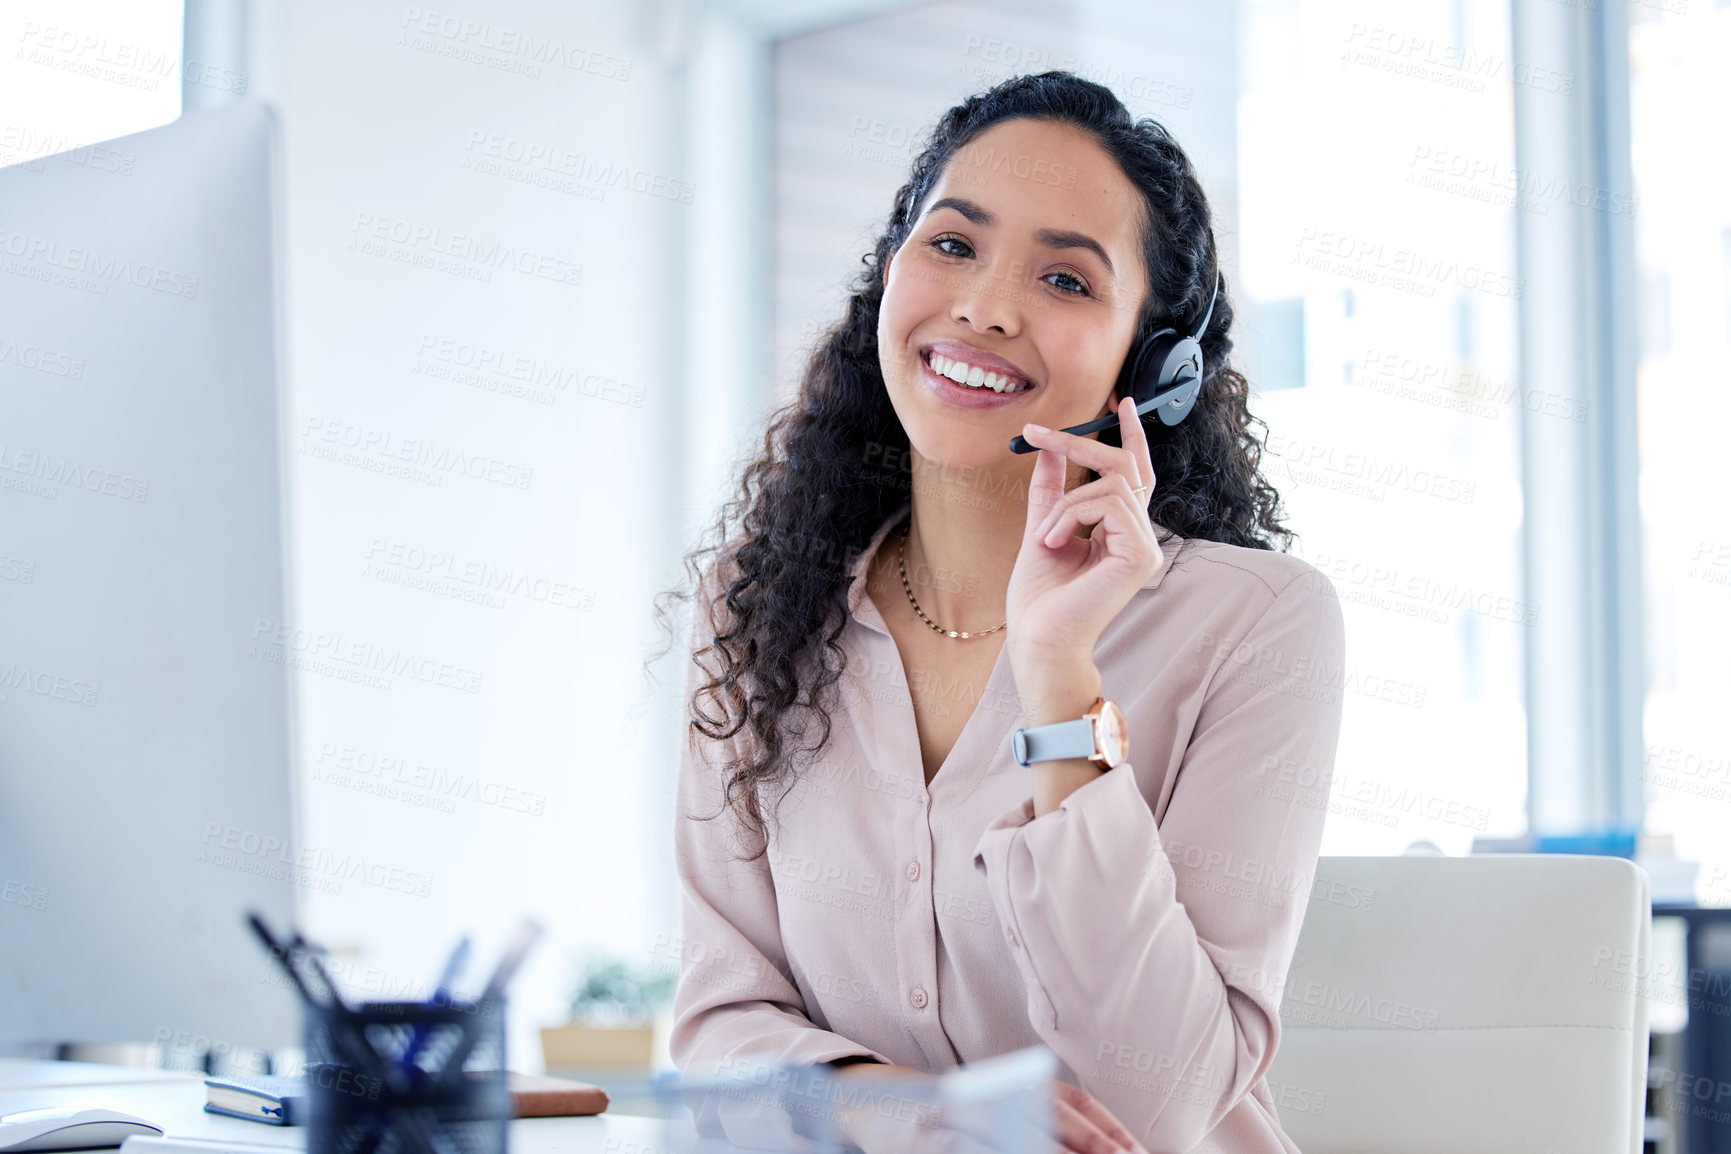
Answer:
(610, 993)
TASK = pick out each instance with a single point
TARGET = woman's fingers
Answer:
(1132, 435)
(1132, 457)
(1091, 1108)
(1102, 459)
(1113, 509)
(1081, 1134)
(1045, 486)
(1113, 485)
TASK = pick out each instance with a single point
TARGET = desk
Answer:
(175, 1102)
(31, 1073)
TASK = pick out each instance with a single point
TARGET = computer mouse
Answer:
(69, 1128)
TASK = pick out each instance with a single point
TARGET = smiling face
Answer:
(1026, 261)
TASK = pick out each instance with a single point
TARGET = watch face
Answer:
(1112, 734)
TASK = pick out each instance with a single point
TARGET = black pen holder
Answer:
(407, 1078)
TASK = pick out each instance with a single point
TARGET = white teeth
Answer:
(972, 375)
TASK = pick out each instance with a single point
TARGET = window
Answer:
(1378, 190)
(79, 72)
(1680, 113)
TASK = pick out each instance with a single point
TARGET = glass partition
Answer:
(1002, 1105)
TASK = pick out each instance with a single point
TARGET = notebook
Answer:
(281, 1101)
(270, 1098)
(540, 1096)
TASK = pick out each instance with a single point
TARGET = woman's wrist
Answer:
(1056, 689)
(1055, 692)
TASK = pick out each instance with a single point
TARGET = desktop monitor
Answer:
(145, 794)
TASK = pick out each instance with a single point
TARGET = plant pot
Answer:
(579, 1047)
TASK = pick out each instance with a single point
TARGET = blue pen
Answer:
(441, 997)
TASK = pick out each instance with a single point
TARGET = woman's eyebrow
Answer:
(1050, 237)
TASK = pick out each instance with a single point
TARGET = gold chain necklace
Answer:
(902, 559)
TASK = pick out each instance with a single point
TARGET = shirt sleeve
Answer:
(1154, 956)
(734, 997)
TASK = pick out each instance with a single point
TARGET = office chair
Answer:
(1492, 1004)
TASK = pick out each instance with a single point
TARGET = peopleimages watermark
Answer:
(327, 437)
(363, 657)
(89, 269)
(410, 566)
(1363, 474)
(826, 883)
(1459, 389)
(24, 146)
(512, 373)
(1402, 267)
(1508, 186)
(39, 474)
(1353, 795)
(1006, 56)
(1425, 58)
(467, 255)
(1324, 1004)
(22, 678)
(503, 47)
(19, 569)
(393, 777)
(1385, 586)
(268, 855)
(40, 359)
(561, 170)
(122, 62)
(17, 893)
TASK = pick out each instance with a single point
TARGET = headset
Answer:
(1163, 372)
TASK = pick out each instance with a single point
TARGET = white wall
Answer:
(509, 774)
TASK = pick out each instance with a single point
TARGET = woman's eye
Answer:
(939, 242)
(1083, 291)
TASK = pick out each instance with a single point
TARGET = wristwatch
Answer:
(1100, 735)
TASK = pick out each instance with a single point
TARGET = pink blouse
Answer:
(1142, 930)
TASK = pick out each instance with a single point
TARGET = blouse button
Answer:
(918, 998)
(913, 871)
(1011, 936)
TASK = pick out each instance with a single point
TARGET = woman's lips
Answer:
(962, 395)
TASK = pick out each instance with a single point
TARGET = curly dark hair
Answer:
(819, 490)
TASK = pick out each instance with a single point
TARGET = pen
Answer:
(312, 957)
(441, 997)
(335, 1014)
(282, 957)
(527, 934)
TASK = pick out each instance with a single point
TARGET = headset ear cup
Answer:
(1141, 375)
(1178, 379)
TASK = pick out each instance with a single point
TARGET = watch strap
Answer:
(1061, 739)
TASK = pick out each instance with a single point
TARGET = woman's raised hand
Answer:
(1065, 589)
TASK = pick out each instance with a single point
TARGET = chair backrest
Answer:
(1492, 1003)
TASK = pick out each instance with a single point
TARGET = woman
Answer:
(872, 878)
